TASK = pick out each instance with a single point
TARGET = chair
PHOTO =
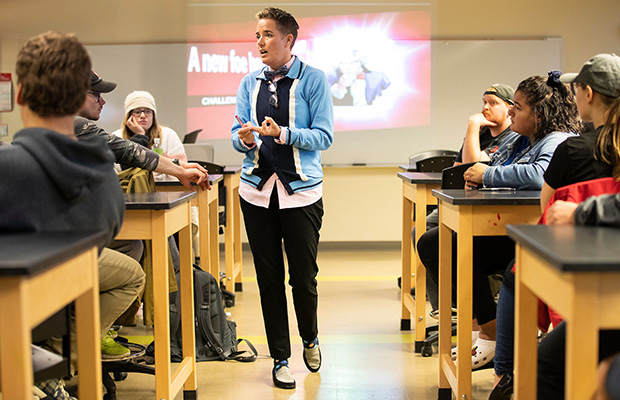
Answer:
(432, 160)
(191, 137)
(452, 177)
(200, 151)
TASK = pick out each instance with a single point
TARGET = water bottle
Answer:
(157, 147)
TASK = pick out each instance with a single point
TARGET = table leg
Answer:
(445, 303)
(406, 262)
(232, 234)
(464, 303)
(88, 328)
(214, 244)
(526, 316)
(582, 339)
(15, 339)
(420, 272)
(186, 291)
(161, 308)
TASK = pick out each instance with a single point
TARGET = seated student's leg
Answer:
(551, 360)
(121, 280)
(428, 251)
(504, 346)
(432, 290)
(131, 248)
(491, 255)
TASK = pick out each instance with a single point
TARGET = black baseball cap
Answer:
(99, 85)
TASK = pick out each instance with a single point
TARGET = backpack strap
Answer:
(237, 355)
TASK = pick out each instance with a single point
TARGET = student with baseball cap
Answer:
(127, 152)
(487, 129)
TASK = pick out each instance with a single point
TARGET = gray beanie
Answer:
(139, 99)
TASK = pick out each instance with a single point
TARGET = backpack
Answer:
(216, 336)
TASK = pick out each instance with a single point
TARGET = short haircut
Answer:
(54, 71)
(284, 21)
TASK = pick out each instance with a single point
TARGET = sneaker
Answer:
(312, 355)
(111, 350)
(282, 376)
(113, 333)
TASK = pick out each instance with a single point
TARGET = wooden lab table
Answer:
(469, 213)
(208, 226)
(417, 188)
(155, 217)
(40, 273)
(232, 230)
(575, 271)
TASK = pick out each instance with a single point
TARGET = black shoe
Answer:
(282, 376)
(504, 388)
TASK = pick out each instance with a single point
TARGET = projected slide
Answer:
(377, 65)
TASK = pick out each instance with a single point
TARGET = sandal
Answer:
(474, 338)
(482, 353)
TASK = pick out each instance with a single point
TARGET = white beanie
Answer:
(139, 99)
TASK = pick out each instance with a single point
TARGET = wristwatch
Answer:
(176, 161)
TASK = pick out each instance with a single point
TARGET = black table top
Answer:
(157, 200)
(213, 179)
(407, 167)
(232, 169)
(461, 197)
(421, 177)
(571, 248)
(31, 253)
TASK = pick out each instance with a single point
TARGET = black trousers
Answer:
(298, 229)
(491, 254)
(552, 359)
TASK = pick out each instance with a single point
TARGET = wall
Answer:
(586, 28)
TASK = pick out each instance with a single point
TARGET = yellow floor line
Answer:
(325, 339)
(352, 278)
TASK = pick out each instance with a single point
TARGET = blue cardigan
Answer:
(305, 109)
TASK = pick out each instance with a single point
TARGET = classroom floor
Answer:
(365, 356)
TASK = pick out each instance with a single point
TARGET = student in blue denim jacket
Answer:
(543, 115)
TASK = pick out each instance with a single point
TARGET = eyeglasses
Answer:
(273, 100)
(138, 111)
(573, 88)
(97, 96)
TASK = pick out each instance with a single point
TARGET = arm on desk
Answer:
(187, 173)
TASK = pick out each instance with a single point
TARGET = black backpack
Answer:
(216, 336)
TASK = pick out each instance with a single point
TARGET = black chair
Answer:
(432, 160)
(452, 178)
(192, 136)
(117, 370)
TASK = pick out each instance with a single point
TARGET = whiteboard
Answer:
(461, 70)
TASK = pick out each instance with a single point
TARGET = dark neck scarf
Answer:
(283, 70)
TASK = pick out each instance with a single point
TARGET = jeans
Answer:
(504, 341)
(491, 254)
